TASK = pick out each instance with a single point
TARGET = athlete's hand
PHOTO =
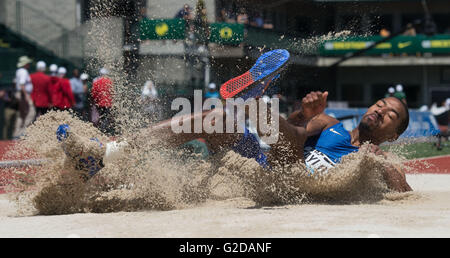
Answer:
(395, 179)
(314, 104)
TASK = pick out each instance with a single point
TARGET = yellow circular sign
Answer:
(226, 33)
(162, 29)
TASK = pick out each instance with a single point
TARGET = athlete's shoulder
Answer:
(320, 123)
(327, 121)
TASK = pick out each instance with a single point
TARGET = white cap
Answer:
(62, 70)
(212, 86)
(399, 87)
(391, 90)
(53, 68)
(41, 65)
(84, 76)
(447, 103)
(104, 71)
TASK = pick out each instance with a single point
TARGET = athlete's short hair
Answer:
(405, 122)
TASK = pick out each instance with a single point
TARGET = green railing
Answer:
(438, 44)
(233, 34)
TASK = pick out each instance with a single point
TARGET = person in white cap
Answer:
(399, 93)
(102, 97)
(53, 69)
(24, 87)
(212, 91)
(41, 89)
(84, 77)
(390, 93)
(150, 101)
(54, 80)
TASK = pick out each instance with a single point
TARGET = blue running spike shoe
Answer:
(254, 82)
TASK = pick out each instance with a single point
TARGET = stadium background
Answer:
(57, 31)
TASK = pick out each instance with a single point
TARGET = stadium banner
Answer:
(397, 45)
(226, 33)
(421, 124)
(162, 29)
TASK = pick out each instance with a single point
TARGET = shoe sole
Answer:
(254, 82)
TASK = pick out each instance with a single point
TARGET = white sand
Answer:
(426, 213)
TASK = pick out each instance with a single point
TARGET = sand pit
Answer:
(423, 213)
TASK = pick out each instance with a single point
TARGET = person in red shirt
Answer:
(62, 95)
(54, 81)
(41, 89)
(102, 96)
(101, 91)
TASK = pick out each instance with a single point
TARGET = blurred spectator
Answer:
(149, 91)
(2, 108)
(184, 13)
(212, 91)
(399, 93)
(86, 87)
(442, 115)
(201, 23)
(268, 24)
(242, 17)
(11, 108)
(24, 87)
(257, 20)
(53, 70)
(62, 91)
(79, 92)
(150, 101)
(54, 80)
(385, 32)
(226, 16)
(390, 93)
(101, 95)
(411, 31)
(41, 89)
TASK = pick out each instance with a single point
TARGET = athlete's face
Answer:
(382, 120)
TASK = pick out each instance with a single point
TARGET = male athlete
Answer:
(308, 135)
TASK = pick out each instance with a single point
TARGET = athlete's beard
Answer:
(365, 131)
